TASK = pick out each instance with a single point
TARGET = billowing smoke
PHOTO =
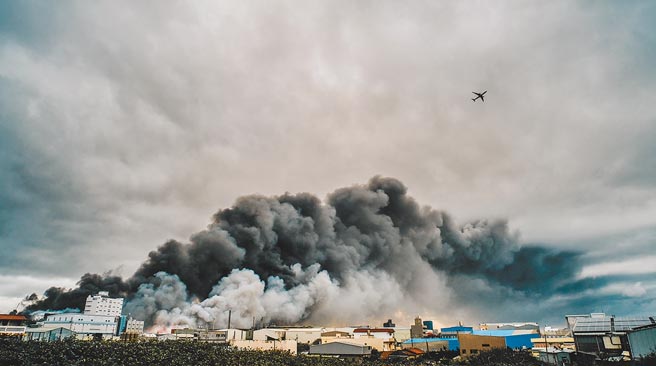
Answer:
(367, 252)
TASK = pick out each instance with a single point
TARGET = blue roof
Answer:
(453, 343)
(457, 329)
(512, 340)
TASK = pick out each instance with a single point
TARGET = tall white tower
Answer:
(102, 304)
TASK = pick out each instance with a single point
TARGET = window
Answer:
(474, 351)
(485, 345)
(464, 351)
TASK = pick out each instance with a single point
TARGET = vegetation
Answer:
(14, 352)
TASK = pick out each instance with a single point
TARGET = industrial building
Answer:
(452, 332)
(605, 336)
(101, 319)
(102, 326)
(471, 344)
(102, 304)
(340, 350)
(514, 338)
(48, 334)
(643, 340)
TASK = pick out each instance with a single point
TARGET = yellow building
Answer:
(471, 344)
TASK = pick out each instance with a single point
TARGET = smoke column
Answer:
(367, 252)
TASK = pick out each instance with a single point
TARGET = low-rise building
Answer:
(402, 354)
(428, 344)
(12, 325)
(471, 344)
(555, 356)
(603, 335)
(643, 340)
(98, 325)
(304, 335)
(340, 350)
(452, 332)
(335, 336)
(515, 339)
(48, 334)
(563, 343)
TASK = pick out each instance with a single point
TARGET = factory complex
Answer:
(596, 336)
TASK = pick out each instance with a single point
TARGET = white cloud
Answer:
(641, 265)
(13, 289)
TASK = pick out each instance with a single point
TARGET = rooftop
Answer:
(603, 324)
(12, 317)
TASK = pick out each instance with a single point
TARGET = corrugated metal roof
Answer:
(603, 324)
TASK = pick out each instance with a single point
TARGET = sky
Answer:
(124, 125)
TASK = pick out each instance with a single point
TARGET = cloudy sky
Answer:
(124, 124)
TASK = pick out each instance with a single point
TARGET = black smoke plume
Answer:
(375, 227)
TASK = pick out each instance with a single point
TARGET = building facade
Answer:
(605, 336)
(471, 344)
(102, 304)
(12, 325)
(83, 323)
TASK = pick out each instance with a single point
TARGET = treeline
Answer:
(181, 353)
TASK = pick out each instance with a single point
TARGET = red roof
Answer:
(416, 351)
(373, 330)
(12, 317)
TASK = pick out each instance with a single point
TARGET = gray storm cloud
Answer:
(366, 252)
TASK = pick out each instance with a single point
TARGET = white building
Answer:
(133, 326)
(102, 304)
(304, 335)
(83, 323)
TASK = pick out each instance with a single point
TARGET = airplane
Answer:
(479, 95)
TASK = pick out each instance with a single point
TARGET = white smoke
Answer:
(366, 295)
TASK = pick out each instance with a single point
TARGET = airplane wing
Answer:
(482, 98)
(484, 92)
